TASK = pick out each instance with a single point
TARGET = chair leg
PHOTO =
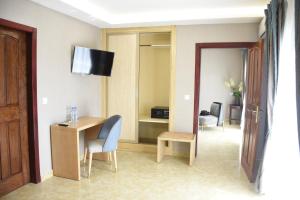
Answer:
(115, 160)
(90, 163)
(110, 156)
(85, 154)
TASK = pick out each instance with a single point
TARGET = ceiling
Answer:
(125, 13)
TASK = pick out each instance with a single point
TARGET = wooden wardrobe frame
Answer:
(159, 29)
(31, 34)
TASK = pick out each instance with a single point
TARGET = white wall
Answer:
(187, 37)
(262, 27)
(218, 66)
(56, 35)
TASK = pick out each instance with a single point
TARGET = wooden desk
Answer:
(65, 145)
(234, 107)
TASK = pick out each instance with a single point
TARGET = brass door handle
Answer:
(256, 114)
(256, 111)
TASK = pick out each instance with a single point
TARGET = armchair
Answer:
(215, 117)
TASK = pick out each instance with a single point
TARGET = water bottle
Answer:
(73, 114)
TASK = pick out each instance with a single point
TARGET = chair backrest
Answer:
(110, 132)
(216, 109)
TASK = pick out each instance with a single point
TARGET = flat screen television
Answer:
(92, 61)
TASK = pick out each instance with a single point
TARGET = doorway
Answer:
(19, 163)
(254, 75)
(220, 134)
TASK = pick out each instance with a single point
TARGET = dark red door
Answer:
(14, 154)
(253, 95)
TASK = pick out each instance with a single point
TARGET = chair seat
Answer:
(96, 145)
(208, 120)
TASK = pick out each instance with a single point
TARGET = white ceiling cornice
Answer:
(92, 12)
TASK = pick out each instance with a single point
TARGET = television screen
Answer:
(92, 61)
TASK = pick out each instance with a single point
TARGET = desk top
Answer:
(83, 123)
(177, 136)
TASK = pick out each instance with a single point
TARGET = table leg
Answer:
(160, 149)
(192, 152)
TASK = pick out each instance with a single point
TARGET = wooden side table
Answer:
(175, 137)
(234, 107)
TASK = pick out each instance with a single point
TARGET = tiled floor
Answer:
(216, 174)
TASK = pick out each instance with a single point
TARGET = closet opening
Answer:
(153, 85)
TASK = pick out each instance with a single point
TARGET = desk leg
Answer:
(65, 153)
(160, 149)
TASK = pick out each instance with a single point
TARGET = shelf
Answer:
(153, 120)
(155, 45)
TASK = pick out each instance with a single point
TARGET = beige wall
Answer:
(57, 34)
(187, 36)
(218, 66)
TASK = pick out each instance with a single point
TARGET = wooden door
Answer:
(123, 83)
(252, 109)
(14, 153)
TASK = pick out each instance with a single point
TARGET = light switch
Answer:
(44, 100)
(187, 97)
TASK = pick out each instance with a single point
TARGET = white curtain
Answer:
(281, 166)
(244, 79)
(297, 28)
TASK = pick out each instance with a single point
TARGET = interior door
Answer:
(123, 83)
(252, 109)
(14, 154)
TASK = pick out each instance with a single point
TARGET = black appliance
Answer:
(92, 61)
(160, 112)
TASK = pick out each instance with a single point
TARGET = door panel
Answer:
(11, 69)
(14, 147)
(122, 85)
(4, 149)
(246, 136)
(14, 153)
(2, 73)
(251, 129)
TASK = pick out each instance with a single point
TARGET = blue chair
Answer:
(107, 140)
